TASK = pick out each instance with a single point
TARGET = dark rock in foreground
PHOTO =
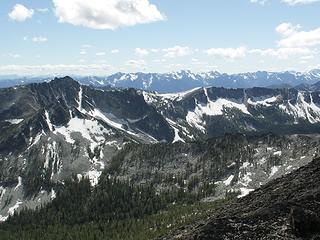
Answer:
(286, 208)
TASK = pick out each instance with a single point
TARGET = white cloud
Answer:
(175, 67)
(100, 54)
(43, 10)
(140, 63)
(154, 50)
(14, 55)
(159, 61)
(102, 14)
(20, 13)
(83, 52)
(296, 2)
(281, 53)
(287, 29)
(312, 67)
(114, 51)
(141, 52)
(261, 2)
(24, 70)
(288, 2)
(227, 53)
(177, 51)
(293, 38)
(39, 39)
(87, 46)
(308, 57)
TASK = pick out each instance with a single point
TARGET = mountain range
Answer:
(227, 137)
(185, 80)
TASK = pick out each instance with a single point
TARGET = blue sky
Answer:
(100, 37)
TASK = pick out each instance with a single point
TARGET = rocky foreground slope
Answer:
(285, 208)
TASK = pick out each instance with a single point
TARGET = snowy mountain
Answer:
(53, 130)
(183, 80)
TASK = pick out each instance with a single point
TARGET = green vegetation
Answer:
(112, 210)
(147, 227)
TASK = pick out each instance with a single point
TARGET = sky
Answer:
(101, 37)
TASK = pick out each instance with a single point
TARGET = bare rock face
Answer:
(304, 223)
(286, 208)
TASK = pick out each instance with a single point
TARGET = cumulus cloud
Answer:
(293, 37)
(102, 14)
(39, 39)
(141, 52)
(177, 51)
(227, 53)
(287, 29)
(97, 69)
(20, 13)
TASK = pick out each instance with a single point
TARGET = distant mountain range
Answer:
(186, 80)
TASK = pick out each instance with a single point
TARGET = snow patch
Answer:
(89, 129)
(3, 218)
(246, 179)
(177, 137)
(245, 192)
(14, 121)
(212, 108)
(80, 99)
(178, 96)
(266, 102)
(53, 194)
(274, 170)
(19, 183)
(50, 126)
(93, 176)
(278, 153)
(229, 180)
(15, 207)
(245, 165)
(2, 192)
